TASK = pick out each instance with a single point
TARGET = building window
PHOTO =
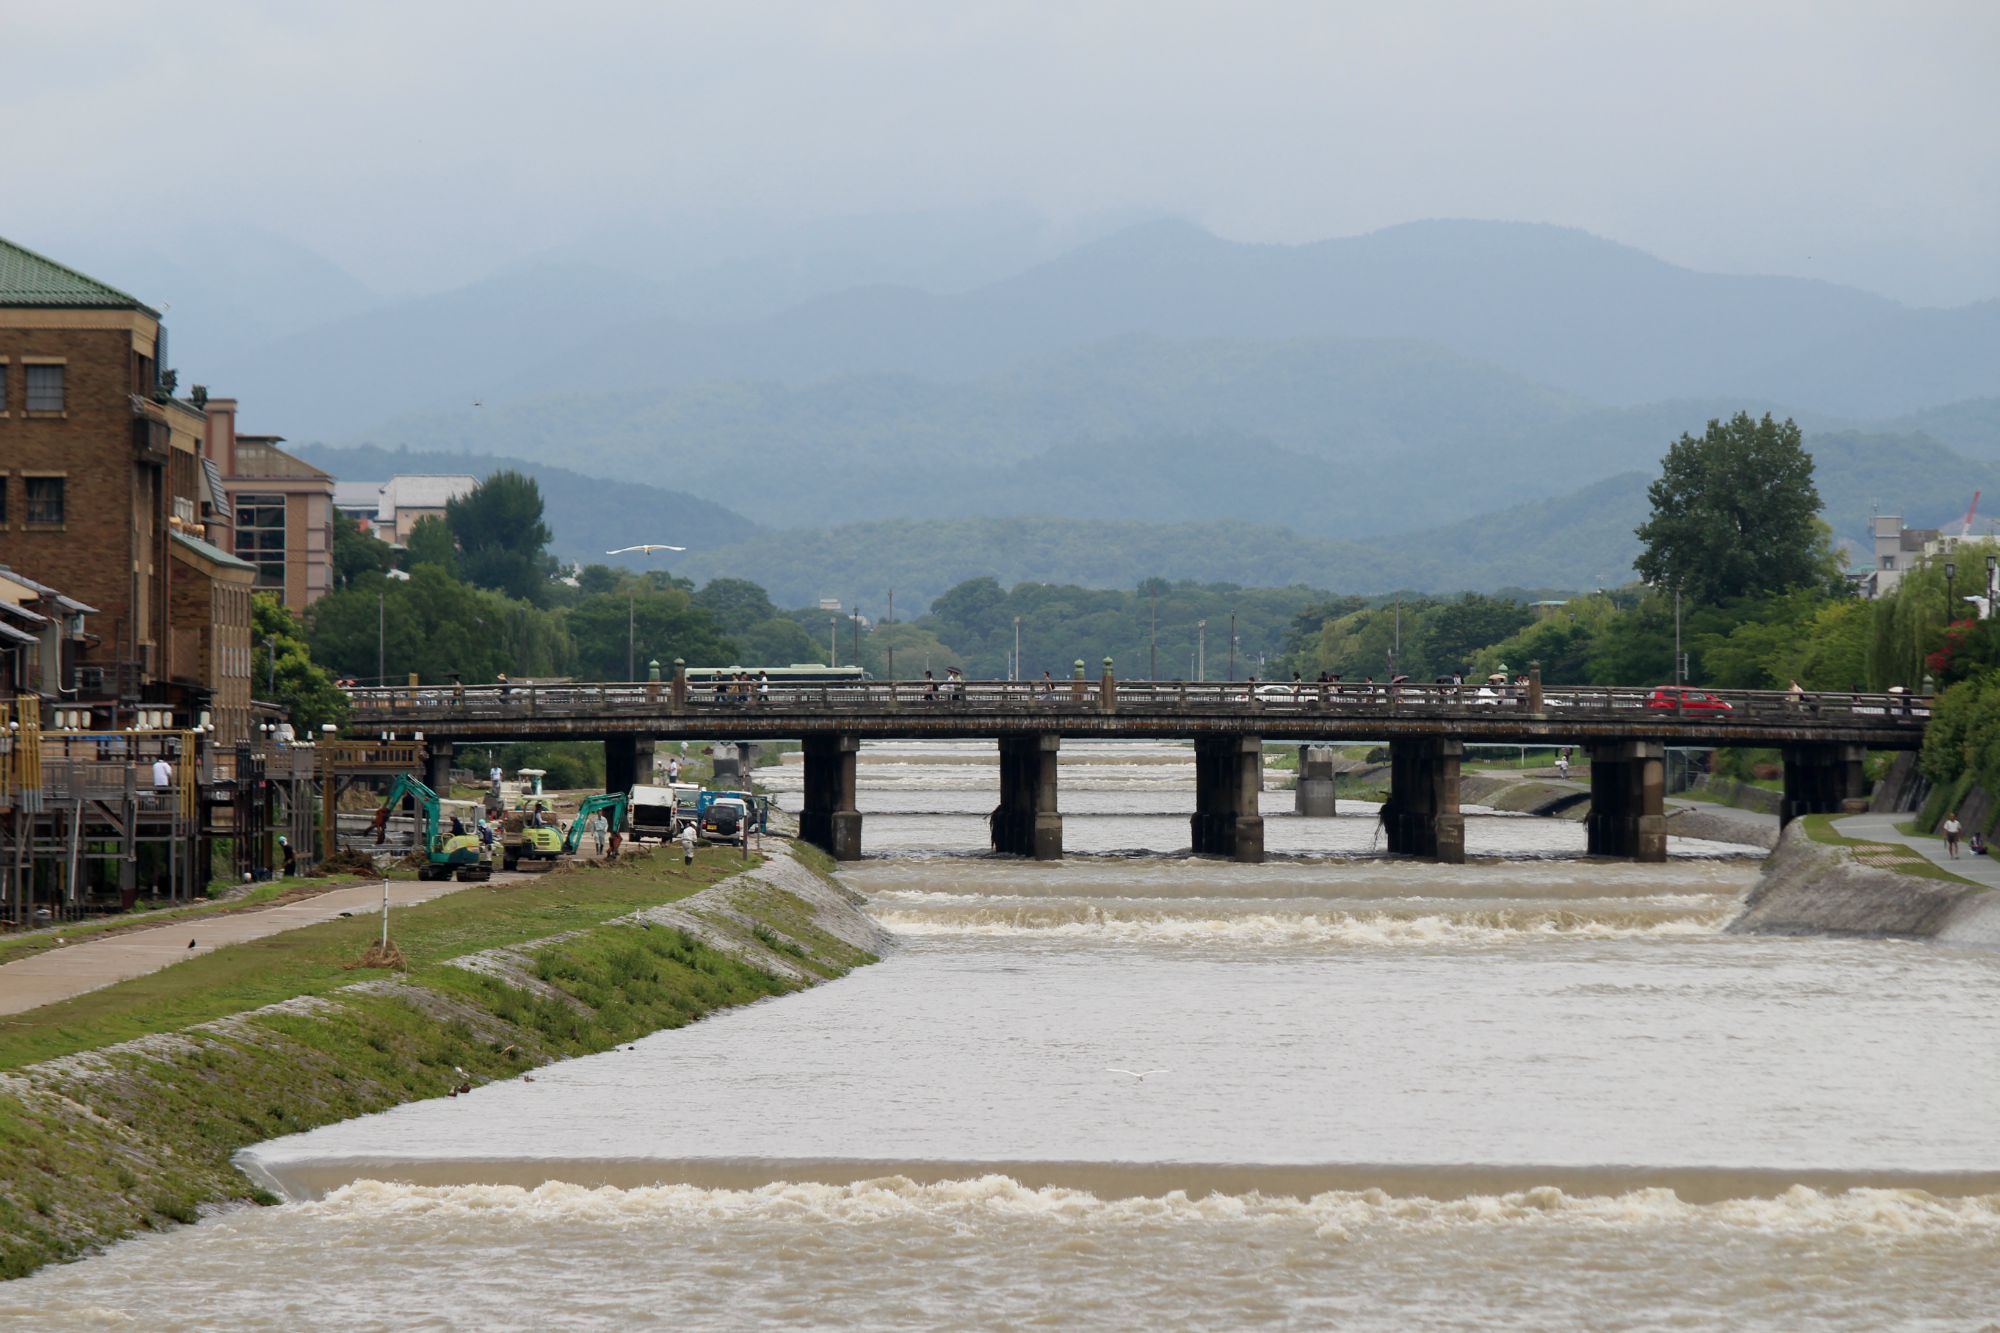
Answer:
(45, 501)
(3, 499)
(1888, 562)
(260, 537)
(45, 388)
(3, 386)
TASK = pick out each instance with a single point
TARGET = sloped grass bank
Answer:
(123, 1114)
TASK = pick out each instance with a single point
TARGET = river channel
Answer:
(1532, 1091)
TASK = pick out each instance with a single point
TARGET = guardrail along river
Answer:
(1531, 1091)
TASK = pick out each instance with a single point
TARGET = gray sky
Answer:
(423, 142)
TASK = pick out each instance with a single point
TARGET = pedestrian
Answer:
(1048, 683)
(457, 827)
(493, 778)
(687, 843)
(163, 777)
(1951, 829)
(599, 826)
(1796, 695)
(616, 838)
(290, 857)
(764, 688)
(1562, 764)
(674, 769)
(381, 824)
(930, 686)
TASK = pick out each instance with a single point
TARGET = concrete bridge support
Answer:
(1820, 778)
(1027, 822)
(1628, 809)
(628, 761)
(829, 819)
(1315, 794)
(437, 766)
(1422, 814)
(1228, 775)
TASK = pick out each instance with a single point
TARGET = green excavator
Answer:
(616, 802)
(445, 854)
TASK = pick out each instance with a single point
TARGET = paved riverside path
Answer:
(91, 964)
(1882, 828)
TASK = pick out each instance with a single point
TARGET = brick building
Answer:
(280, 518)
(103, 494)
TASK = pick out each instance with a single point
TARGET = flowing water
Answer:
(1529, 1092)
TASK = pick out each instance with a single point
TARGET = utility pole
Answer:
(1201, 650)
(1232, 645)
(1017, 648)
(631, 640)
(833, 641)
(381, 639)
(892, 638)
(855, 656)
(1154, 669)
(1680, 663)
(1396, 652)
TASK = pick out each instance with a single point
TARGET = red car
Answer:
(1685, 699)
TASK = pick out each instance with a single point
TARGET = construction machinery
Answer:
(615, 803)
(445, 854)
(529, 837)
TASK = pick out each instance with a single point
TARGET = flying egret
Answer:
(645, 548)
(1132, 1073)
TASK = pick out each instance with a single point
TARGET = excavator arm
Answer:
(427, 801)
(616, 802)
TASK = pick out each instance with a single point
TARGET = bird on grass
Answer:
(1141, 1076)
(645, 548)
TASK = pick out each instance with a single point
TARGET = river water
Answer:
(1529, 1092)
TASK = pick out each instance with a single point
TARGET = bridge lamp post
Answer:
(1017, 648)
(1201, 650)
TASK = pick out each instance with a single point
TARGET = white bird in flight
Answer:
(1133, 1073)
(646, 548)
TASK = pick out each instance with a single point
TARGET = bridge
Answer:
(1823, 739)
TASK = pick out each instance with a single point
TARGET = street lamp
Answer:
(1017, 648)
(1201, 650)
(1950, 581)
(271, 661)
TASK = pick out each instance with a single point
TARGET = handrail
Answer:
(383, 706)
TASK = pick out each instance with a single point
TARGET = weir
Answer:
(1315, 793)
(1422, 815)
(828, 818)
(1628, 808)
(1228, 775)
(1027, 821)
(1820, 779)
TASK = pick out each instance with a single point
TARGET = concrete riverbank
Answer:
(1864, 888)
(1559, 799)
(135, 1134)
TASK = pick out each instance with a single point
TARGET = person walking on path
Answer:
(493, 777)
(687, 844)
(1562, 764)
(1951, 828)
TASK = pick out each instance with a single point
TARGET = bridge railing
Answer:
(405, 708)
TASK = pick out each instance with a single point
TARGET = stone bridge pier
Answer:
(1228, 775)
(1315, 792)
(828, 818)
(1628, 808)
(1027, 821)
(1422, 816)
(437, 766)
(628, 762)
(1820, 778)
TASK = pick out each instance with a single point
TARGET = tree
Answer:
(736, 604)
(355, 553)
(436, 626)
(1457, 630)
(502, 541)
(282, 670)
(1736, 514)
(431, 543)
(663, 624)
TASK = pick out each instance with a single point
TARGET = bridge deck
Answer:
(877, 710)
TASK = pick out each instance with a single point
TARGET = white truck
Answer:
(659, 812)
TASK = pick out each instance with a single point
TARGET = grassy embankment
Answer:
(132, 1134)
(1880, 855)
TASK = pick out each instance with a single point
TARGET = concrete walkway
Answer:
(1882, 828)
(91, 964)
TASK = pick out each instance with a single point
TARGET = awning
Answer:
(22, 614)
(11, 637)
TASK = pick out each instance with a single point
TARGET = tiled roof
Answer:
(212, 553)
(29, 279)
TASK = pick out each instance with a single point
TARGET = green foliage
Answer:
(355, 553)
(616, 634)
(435, 626)
(282, 670)
(566, 765)
(431, 543)
(502, 541)
(736, 604)
(1736, 514)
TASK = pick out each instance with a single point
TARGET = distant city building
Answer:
(103, 493)
(389, 509)
(1898, 550)
(280, 517)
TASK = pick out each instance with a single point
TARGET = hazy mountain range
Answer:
(1409, 406)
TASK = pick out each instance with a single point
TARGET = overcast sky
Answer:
(422, 142)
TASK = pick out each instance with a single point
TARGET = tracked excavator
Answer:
(615, 803)
(444, 854)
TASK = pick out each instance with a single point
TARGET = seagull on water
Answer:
(1142, 1076)
(645, 548)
